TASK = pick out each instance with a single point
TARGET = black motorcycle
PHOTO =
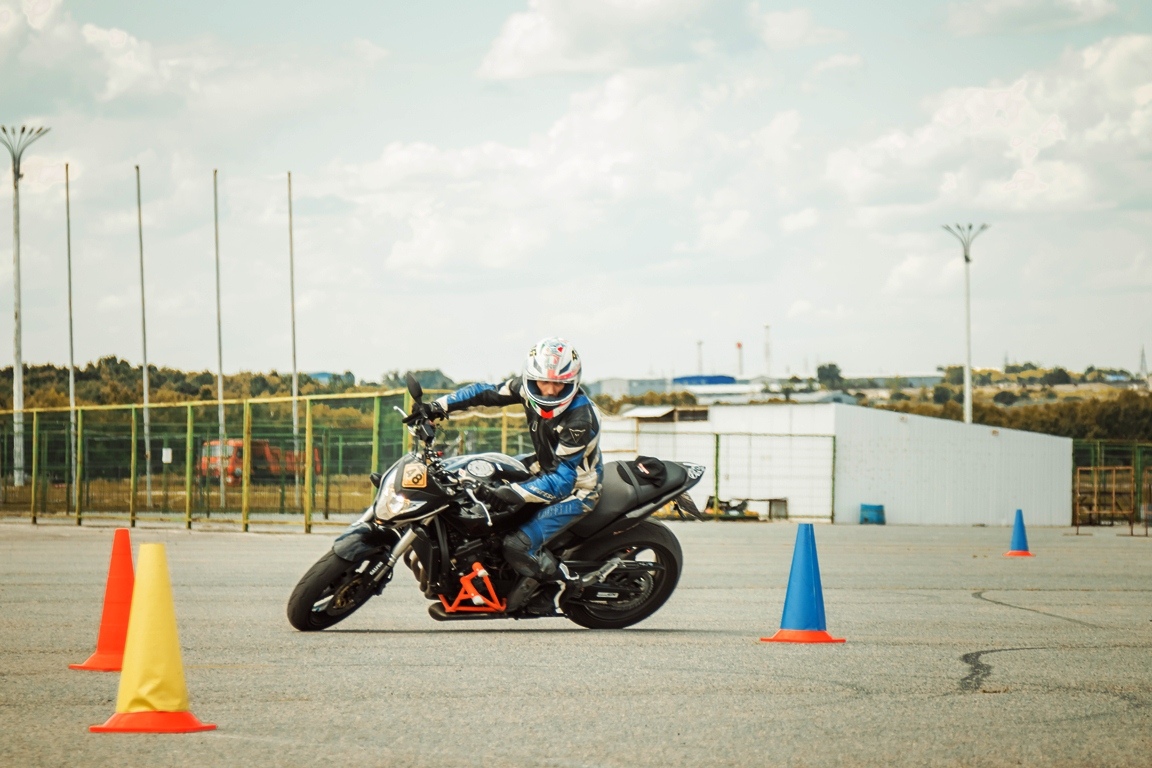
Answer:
(427, 515)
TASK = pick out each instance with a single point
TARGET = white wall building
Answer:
(828, 459)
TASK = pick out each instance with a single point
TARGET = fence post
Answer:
(309, 470)
(831, 517)
(375, 467)
(326, 458)
(79, 489)
(44, 474)
(715, 476)
(246, 477)
(1137, 481)
(132, 474)
(188, 445)
(35, 461)
(504, 430)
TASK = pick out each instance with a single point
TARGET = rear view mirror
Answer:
(414, 387)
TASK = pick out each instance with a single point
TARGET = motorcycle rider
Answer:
(568, 469)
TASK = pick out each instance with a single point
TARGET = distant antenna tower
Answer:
(699, 358)
(767, 351)
(739, 358)
(1143, 364)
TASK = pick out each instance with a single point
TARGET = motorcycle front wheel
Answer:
(329, 592)
(649, 542)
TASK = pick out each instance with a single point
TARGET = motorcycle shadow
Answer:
(518, 630)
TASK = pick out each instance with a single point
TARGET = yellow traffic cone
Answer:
(152, 697)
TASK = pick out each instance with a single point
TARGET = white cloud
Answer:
(1054, 138)
(778, 141)
(838, 62)
(799, 308)
(40, 13)
(367, 51)
(786, 30)
(981, 17)
(554, 36)
(794, 222)
(920, 275)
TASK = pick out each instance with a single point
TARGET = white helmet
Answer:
(552, 359)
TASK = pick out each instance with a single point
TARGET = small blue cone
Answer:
(1019, 538)
(803, 620)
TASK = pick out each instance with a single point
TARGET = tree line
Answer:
(1126, 416)
(112, 381)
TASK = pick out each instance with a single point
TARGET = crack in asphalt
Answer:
(980, 596)
(973, 681)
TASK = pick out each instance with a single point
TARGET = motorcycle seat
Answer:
(618, 496)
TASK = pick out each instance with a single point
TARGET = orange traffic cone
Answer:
(117, 601)
(152, 696)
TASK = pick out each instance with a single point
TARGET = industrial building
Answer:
(826, 460)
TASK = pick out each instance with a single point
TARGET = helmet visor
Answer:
(548, 402)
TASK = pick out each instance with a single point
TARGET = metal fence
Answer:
(759, 475)
(1096, 491)
(319, 474)
(272, 473)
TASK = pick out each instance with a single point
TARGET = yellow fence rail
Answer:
(321, 479)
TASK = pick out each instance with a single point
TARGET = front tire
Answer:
(328, 593)
(648, 542)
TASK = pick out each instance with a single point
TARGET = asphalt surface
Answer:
(956, 655)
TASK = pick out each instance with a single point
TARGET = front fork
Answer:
(383, 575)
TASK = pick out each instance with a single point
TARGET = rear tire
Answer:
(650, 541)
(328, 593)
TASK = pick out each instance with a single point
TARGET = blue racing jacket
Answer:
(567, 446)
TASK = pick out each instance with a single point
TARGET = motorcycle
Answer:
(427, 515)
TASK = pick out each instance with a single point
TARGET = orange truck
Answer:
(269, 462)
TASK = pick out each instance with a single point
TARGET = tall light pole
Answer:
(71, 357)
(767, 351)
(219, 343)
(16, 144)
(966, 235)
(144, 336)
(295, 374)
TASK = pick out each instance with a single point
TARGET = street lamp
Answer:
(16, 144)
(965, 235)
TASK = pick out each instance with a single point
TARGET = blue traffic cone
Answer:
(803, 620)
(1019, 538)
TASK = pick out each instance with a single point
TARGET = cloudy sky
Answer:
(636, 175)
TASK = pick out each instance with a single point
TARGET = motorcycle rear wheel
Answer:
(328, 593)
(648, 542)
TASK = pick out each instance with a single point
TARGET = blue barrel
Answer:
(871, 514)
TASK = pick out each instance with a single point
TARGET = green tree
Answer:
(829, 376)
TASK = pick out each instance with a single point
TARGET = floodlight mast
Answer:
(219, 347)
(966, 235)
(295, 373)
(73, 466)
(16, 142)
(144, 339)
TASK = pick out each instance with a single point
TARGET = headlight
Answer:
(389, 504)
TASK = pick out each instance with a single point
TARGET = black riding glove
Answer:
(425, 412)
(503, 496)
